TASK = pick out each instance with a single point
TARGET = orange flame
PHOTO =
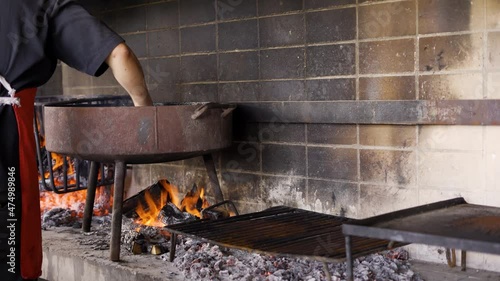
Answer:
(148, 215)
(76, 201)
(57, 167)
(59, 162)
(190, 201)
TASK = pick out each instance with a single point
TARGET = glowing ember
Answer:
(191, 203)
(76, 201)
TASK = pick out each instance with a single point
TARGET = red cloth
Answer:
(31, 231)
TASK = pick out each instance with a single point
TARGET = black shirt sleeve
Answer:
(79, 39)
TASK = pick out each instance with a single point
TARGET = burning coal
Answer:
(75, 201)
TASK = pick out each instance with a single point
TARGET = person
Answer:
(34, 35)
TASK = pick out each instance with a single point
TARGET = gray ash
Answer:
(59, 217)
(198, 260)
(203, 261)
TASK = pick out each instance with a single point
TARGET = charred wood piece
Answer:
(216, 213)
(131, 203)
(170, 214)
(206, 213)
(194, 193)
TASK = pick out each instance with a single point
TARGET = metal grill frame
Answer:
(320, 237)
(431, 224)
(66, 187)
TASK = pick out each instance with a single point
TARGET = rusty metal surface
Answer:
(116, 222)
(143, 135)
(452, 223)
(213, 184)
(80, 167)
(283, 231)
(90, 197)
(402, 112)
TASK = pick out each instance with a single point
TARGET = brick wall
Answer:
(323, 50)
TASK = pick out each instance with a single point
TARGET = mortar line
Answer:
(356, 54)
(451, 72)
(338, 7)
(261, 146)
(180, 47)
(377, 39)
(347, 146)
(451, 33)
(148, 81)
(258, 43)
(375, 183)
(486, 83)
(417, 97)
(306, 126)
(217, 56)
(358, 143)
(485, 160)
(157, 142)
(485, 54)
(306, 45)
(417, 53)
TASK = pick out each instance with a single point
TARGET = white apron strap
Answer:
(11, 100)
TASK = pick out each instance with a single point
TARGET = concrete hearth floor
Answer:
(66, 260)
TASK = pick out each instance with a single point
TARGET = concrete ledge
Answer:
(409, 112)
(434, 271)
(66, 260)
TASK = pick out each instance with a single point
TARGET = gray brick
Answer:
(197, 11)
(282, 63)
(268, 7)
(330, 60)
(331, 26)
(283, 159)
(332, 163)
(239, 66)
(238, 35)
(282, 31)
(198, 39)
(199, 68)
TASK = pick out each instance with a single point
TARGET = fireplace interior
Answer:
(349, 109)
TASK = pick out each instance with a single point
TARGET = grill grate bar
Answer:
(262, 227)
(281, 230)
(323, 248)
(284, 215)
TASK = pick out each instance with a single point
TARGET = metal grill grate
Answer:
(281, 230)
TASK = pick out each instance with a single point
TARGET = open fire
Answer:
(58, 163)
(154, 208)
(149, 212)
(63, 174)
(198, 260)
(57, 168)
(75, 201)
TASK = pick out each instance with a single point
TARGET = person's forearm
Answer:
(128, 72)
